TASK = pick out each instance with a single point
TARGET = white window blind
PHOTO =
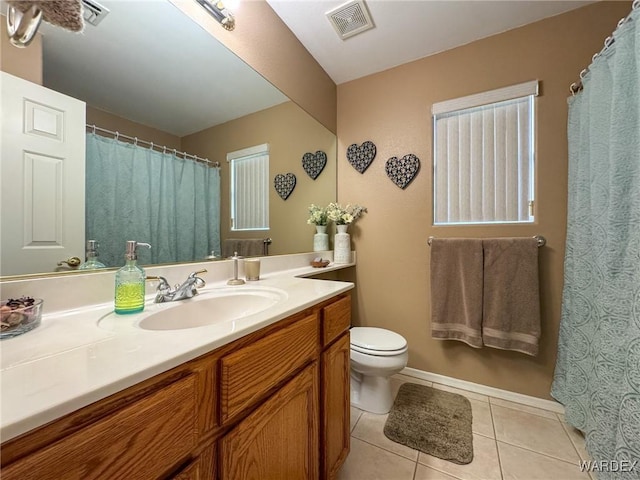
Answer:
(484, 157)
(250, 188)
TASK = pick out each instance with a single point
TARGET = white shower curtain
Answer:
(134, 193)
(597, 375)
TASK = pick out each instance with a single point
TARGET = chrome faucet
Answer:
(188, 289)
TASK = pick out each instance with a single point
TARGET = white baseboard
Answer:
(485, 390)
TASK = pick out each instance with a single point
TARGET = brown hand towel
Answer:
(230, 246)
(511, 306)
(246, 247)
(456, 290)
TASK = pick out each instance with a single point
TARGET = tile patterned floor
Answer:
(510, 442)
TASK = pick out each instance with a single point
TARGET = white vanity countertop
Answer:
(69, 362)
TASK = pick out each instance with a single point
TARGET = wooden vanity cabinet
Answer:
(272, 404)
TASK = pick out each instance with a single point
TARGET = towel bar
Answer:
(541, 240)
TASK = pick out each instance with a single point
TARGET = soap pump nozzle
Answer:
(235, 280)
(131, 252)
(92, 246)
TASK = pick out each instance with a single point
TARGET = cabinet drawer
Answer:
(144, 440)
(336, 319)
(253, 370)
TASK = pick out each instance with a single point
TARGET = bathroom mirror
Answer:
(146, 70)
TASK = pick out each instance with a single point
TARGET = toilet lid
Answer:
(376, 339)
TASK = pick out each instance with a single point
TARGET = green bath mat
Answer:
(433, 421)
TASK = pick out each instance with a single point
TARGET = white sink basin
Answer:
(214, 306)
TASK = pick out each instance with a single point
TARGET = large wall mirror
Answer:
(146, 70)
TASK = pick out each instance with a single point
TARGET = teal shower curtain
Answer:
(597, 375)
(134, 193)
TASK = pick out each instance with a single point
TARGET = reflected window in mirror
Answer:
(484, 157)
(249, 174)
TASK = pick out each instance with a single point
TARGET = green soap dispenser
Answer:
(92, 261)
(130, 282)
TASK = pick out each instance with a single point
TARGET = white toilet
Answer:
(376, 354)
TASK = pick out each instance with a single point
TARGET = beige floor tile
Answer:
(485, 464)
(520, 464)
(427, 473)
(369, 462)
(353, 419)
(523, 408)
(370, 429)
(533, 432)
(482, 421)
(466, 393)
(577, 439)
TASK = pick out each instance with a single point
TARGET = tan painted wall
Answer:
(114, 123)
(393, 109)
(25, 63)
(288, 228)
(262, 40)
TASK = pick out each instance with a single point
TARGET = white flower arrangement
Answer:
(317, 215)
(344, 215)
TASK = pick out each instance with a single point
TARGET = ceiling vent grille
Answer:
(93, 12)
(350, 19)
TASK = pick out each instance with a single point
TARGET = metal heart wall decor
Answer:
(360, 157)
(402, 171)
(313, 163)
(284, 184)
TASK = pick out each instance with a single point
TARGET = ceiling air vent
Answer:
(93, 12)
(350, 19)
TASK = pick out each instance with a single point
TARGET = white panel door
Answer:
(42, 177)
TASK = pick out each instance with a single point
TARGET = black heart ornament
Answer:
(284, 184)
(314, 163)
(360, 157)
(402, 171)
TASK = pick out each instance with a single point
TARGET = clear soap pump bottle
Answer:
(130, 282)
(92, 261)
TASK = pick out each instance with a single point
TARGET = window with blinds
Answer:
(484, 157)
(249, 173)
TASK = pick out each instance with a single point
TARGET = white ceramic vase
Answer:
(321, 239)
(342, 245)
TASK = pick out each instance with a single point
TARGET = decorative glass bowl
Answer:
(19, 315)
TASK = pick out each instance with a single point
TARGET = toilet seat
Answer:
(377, 341)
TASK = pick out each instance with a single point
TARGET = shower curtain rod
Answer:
(541, 240)
(577, 87)
(153, 146)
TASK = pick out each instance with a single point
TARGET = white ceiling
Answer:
(405, 30)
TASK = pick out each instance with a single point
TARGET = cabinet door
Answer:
(279, 440)
(142, 441)
(335, 402)
(202, 468)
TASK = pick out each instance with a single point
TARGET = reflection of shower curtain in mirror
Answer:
(134, 193)
(597, 375)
